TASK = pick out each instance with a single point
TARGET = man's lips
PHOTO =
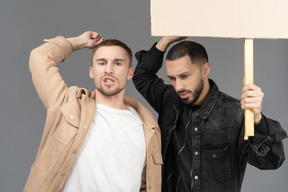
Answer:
(183, 94)
(108, 81)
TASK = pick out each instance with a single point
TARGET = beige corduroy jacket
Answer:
(70, 112)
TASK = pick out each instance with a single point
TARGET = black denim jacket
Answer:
(218, 131)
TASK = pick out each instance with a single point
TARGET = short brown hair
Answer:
(114, 42)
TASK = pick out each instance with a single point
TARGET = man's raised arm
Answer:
(146, 81)
(43, 62)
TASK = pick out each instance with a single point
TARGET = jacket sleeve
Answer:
(47, 80)
(265, 149)
(150, 86)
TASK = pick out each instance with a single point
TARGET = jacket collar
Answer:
(210, 101)
(146, 116)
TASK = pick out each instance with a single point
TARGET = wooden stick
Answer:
(248, 78)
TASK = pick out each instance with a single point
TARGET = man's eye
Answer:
(102, 63)
(184, 76)
(117, 63)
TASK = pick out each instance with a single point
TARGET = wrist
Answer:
(76, 43)
(163, 44)
(257, 119)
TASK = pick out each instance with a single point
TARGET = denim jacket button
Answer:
(195, 129)
(196, 177)
(196, 153)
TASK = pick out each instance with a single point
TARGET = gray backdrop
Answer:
(24, 23)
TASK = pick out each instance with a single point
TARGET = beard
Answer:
(109, 93)
(195, 94)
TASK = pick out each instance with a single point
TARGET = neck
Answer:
(115, 101)
(204, 93)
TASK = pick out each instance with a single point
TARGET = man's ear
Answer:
(91, 73)
(130, 73)
(206, 69)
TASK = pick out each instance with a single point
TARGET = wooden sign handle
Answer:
(248, 78)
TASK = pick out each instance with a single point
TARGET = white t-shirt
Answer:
(113, 154)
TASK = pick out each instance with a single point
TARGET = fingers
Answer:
(90, 39)
(96, 36)
(99, 40)
(91, 35)
(251, 87)
(251, 98)
(251, 103)
(182, 38)
(251, 91)
(252, 94)
(172, 39)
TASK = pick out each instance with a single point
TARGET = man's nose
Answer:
(179, 85)
(109, 68)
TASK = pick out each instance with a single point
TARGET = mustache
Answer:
(184, 90)
(108, 76)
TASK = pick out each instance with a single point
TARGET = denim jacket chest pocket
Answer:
(218, 142)
(217, 165)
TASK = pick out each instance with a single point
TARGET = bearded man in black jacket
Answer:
(202, 128)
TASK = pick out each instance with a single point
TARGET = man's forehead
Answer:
(111, 48)
(179, 66)
(110, 51)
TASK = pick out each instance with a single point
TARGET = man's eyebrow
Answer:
(103, 59)
(119, 59)
(184, 73)
(169, 76)
(181, 74)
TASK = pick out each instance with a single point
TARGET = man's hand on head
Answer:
(165, 41)
(88, 39)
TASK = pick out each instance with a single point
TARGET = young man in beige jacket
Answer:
(93, 141)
